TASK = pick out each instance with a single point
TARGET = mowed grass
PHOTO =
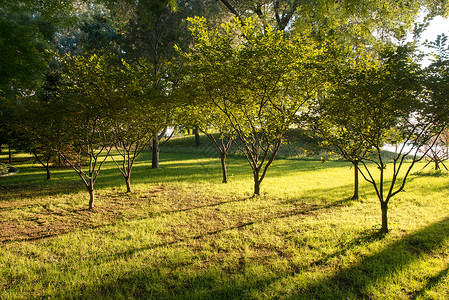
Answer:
(182, 234)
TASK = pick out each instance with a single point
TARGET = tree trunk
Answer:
(9, 154)
(223, 167)
(128, 184)
(90, 189)
(437, 166)
(256, 183)
(197, 136)
(47, 168)
(356, 180)
(384, 207)
(155, 158)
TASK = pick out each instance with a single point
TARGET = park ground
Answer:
(182, 234)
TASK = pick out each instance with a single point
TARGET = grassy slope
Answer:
(183, 235)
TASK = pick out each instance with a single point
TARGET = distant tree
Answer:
(37, 130)
(209, 120)
(437, 84)
(93, 33)
(149, 30)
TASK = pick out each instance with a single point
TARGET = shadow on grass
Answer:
(215, 283)
(306, 210)
(354, 282)
(431, 282)
(48, 220)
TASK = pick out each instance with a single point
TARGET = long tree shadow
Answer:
(204, 285)
(42, 216)
(306, 210)
(350, 283)
(431, 282)
(353, 282)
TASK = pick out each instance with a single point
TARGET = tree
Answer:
(150, 29)
(437, 82)
(348, 16)
(87, 97)
(37, 130)
(138, 116)
(258, 80)
(332, 122)
(384, 97)
(27, 30)
(209, 120)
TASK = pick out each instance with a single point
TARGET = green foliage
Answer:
(22, 59)
(258, 80)
(93, 33)
(378, 103)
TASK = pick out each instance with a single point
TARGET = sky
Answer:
(437, 26)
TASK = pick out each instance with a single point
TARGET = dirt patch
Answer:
(38, 218)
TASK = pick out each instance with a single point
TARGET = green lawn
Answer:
(182, 234)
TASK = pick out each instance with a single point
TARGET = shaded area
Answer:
(353, 282)
(152, 282)
(431, 282)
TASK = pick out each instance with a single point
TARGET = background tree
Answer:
(437, 84)
(38, 131)
(149, 30)
(209, 120)
(333, 123)
(27, 30)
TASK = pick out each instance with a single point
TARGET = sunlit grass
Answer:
(182, 234)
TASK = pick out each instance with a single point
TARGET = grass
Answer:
(182, 234)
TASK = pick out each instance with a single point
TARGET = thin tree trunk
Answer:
(90, 189)
(256, 183)
(384, 207)
(223, 167)
(155, 158)
(9, 154)
(128, 184)
(47, 168)
(356, 180)
(437, 166)
(197, 136)
(46, 165)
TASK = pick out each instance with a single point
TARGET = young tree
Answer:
(258, 80)
(87, 97)
(209, 120)
(381, 98)
(138, 116)
(332, 123)
(37, 130)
